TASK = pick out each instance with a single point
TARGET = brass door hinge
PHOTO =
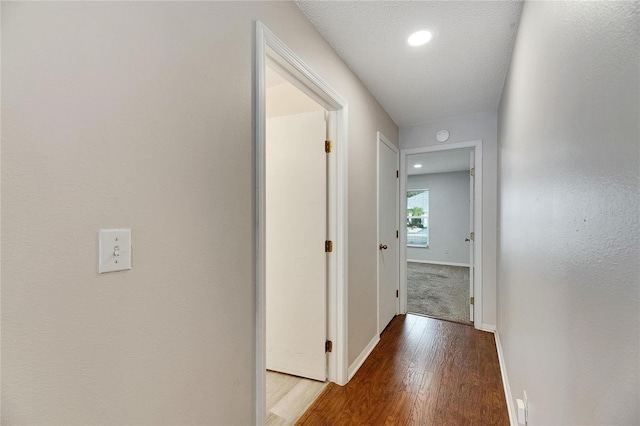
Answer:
(396, 293)
(328, 146)
(471, 300)
(328, 246)
(472, 172)
(328, 346)
(396, 234)
(397, 173)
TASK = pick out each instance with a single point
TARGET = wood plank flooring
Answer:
(288, 397)
(424, 371)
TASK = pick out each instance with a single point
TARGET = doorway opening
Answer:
(441, 241)
(300, 198)
(296, 217)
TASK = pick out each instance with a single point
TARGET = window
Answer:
(418, 218)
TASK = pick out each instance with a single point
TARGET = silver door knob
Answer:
(383, 246)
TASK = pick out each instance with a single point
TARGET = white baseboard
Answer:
(433, 262)
(488, 327)
(505, 382)
(353, 368)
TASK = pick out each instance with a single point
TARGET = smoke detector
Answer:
(442, 136)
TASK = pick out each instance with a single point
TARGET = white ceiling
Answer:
(272, 78)
(460, 71)
(283, 98)
(453, 160)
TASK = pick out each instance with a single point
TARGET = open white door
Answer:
(472, 172)
(296, 218)
(388, 242)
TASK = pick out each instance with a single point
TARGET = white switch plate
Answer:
(114, 250)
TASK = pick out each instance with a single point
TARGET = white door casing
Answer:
(295, 235)
(268, 47)
(388, 226)
(471, 228)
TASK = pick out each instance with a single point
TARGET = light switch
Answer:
(114, 250)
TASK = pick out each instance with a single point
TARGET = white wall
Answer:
(463, 129)
(140, 114)
(569, 255)
(448, 217)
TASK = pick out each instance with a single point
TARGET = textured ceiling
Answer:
(461, 71)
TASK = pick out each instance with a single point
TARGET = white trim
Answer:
(445, 147)
(403, 233)
(505, 382)
(353, 368)
(268, 45)
(259, 96)
(477, 286)
(436, 262)
(491, 328)
(382, 138)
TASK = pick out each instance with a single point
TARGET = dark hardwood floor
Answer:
(424, 371)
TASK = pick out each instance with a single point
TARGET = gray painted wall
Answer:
(483, 125)
(448, 217)
(569, 252)
(139, 114)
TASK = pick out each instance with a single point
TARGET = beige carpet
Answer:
(438, 291)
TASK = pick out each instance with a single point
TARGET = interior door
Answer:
(388, 242)
(471, 229)
(296, 217)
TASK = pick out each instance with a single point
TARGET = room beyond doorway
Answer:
(439, 224)
(296, 262)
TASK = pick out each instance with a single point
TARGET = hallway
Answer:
(151, 118)
(423, 371)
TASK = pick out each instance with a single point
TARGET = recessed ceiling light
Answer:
(419, 38)
(417, 166)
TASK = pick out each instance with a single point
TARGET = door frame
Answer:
(268, 48)
(477, 243)
(383, 139)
